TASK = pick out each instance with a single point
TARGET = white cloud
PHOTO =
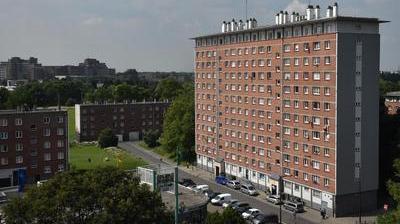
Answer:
(93, 21)
(296, 6)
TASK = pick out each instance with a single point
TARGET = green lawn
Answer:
(71, 124)
(80, 154)
(159, 150)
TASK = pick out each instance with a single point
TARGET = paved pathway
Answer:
(203, 177)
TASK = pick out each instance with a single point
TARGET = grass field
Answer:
(79, 157)
(159, 150)
(71, 124)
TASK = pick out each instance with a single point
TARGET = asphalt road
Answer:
(265, 207)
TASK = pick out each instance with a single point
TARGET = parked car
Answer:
(265, 219)
(3, 198)
(221, 198)
(229, 203)
(201, 188)
(221, 180)
(234, 184)
(293, 206)
(187, 182)
(241, 205)
(248, 189)
(274, 199)
(211, 194)
(250, 212)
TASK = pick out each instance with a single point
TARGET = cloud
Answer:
(92, 21)
(296, 6)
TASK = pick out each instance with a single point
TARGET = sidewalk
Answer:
(310, 214)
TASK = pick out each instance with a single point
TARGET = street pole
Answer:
(359, 195)
(280, 208)
(176, 188)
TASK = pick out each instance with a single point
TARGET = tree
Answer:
(179, 127)
(151, 138)
(228, 216)
(107, 138)
(103, 195)
(4, 95)
(168, 89)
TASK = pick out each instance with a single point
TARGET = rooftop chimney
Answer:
(277, 19)
(309, 12)
(223, 28)
(293, 17)
(329, 12)
(317, 12)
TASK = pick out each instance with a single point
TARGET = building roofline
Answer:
(119, 104)
(339, 18)
(396, 94)
(3, 112)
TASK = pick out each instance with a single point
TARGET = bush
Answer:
(151, 138)
(107, 138)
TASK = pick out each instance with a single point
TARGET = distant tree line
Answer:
(389, 82)
(70, 91)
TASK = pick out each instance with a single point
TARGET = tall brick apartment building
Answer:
(34, 141)
(127, 120)
(293, 107)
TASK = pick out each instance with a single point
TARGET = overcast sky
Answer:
(152, 35)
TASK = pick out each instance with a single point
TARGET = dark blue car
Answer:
(221, 180)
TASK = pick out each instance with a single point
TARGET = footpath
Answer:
(311, 214)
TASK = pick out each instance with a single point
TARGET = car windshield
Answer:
(251, 188)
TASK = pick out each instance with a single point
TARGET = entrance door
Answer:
(216, 170)
(247, 174)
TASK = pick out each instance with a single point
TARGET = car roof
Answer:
(254, 209)
(224, 195)
(202, 185)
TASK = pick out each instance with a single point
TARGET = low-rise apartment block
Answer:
(33, 141)
(128, 121)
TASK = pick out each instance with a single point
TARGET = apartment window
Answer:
(19, 147)
(306, 61)
(327, 60)
(317, 46)
(296, 47)
(327, 45)
(296, 61)
(269, 49)
(253, 50)
(316, 135)
(305, 176)
(315, 180)
(326, 167)
(261, 50)
(296, 76)
(327, 91)
(316, 91)
(286, 48)
(19, 159)
(286, 61)
(18, 134)
(327, 106)
(306, 47)
(18, 121)
(326, 152)
(261, 63)
(286, 171)
(60, 120)
(327, 76)
(46, 132)
(305, 90)
(3, 122)
(3, 148)
(316, 76)
(326, 182)
(4, 161)
(316, 105)
(47, 169)
(315, 164)
(46, 120)
(305, 146)
(47, 145)
(269, 62)
(60, 143)
(316, 60)
(60, 167)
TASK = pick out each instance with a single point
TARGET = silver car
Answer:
(274, 199)
(234, 184)
(248, 189)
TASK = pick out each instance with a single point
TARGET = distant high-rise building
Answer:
(293, 107)
(20, 69)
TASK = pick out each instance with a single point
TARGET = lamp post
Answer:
(176, 187)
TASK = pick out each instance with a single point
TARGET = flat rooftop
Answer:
(121, 104)
(187, 198)
(30, 111)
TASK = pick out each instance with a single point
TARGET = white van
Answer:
(201, 188)
(221, 198)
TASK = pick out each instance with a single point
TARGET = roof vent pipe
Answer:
(255, 23)
(335, 10)
(293, 17)
(277, 19)
(233, 25)
(240, 25)
(317, 12)
(223, 27)
(280, 17)
(329, 12)
(228, 26)
(309, 12)
(285, 17)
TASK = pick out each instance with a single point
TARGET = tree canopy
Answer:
(103, 195)
(179, 127)
(107, 138)
(228, 216)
